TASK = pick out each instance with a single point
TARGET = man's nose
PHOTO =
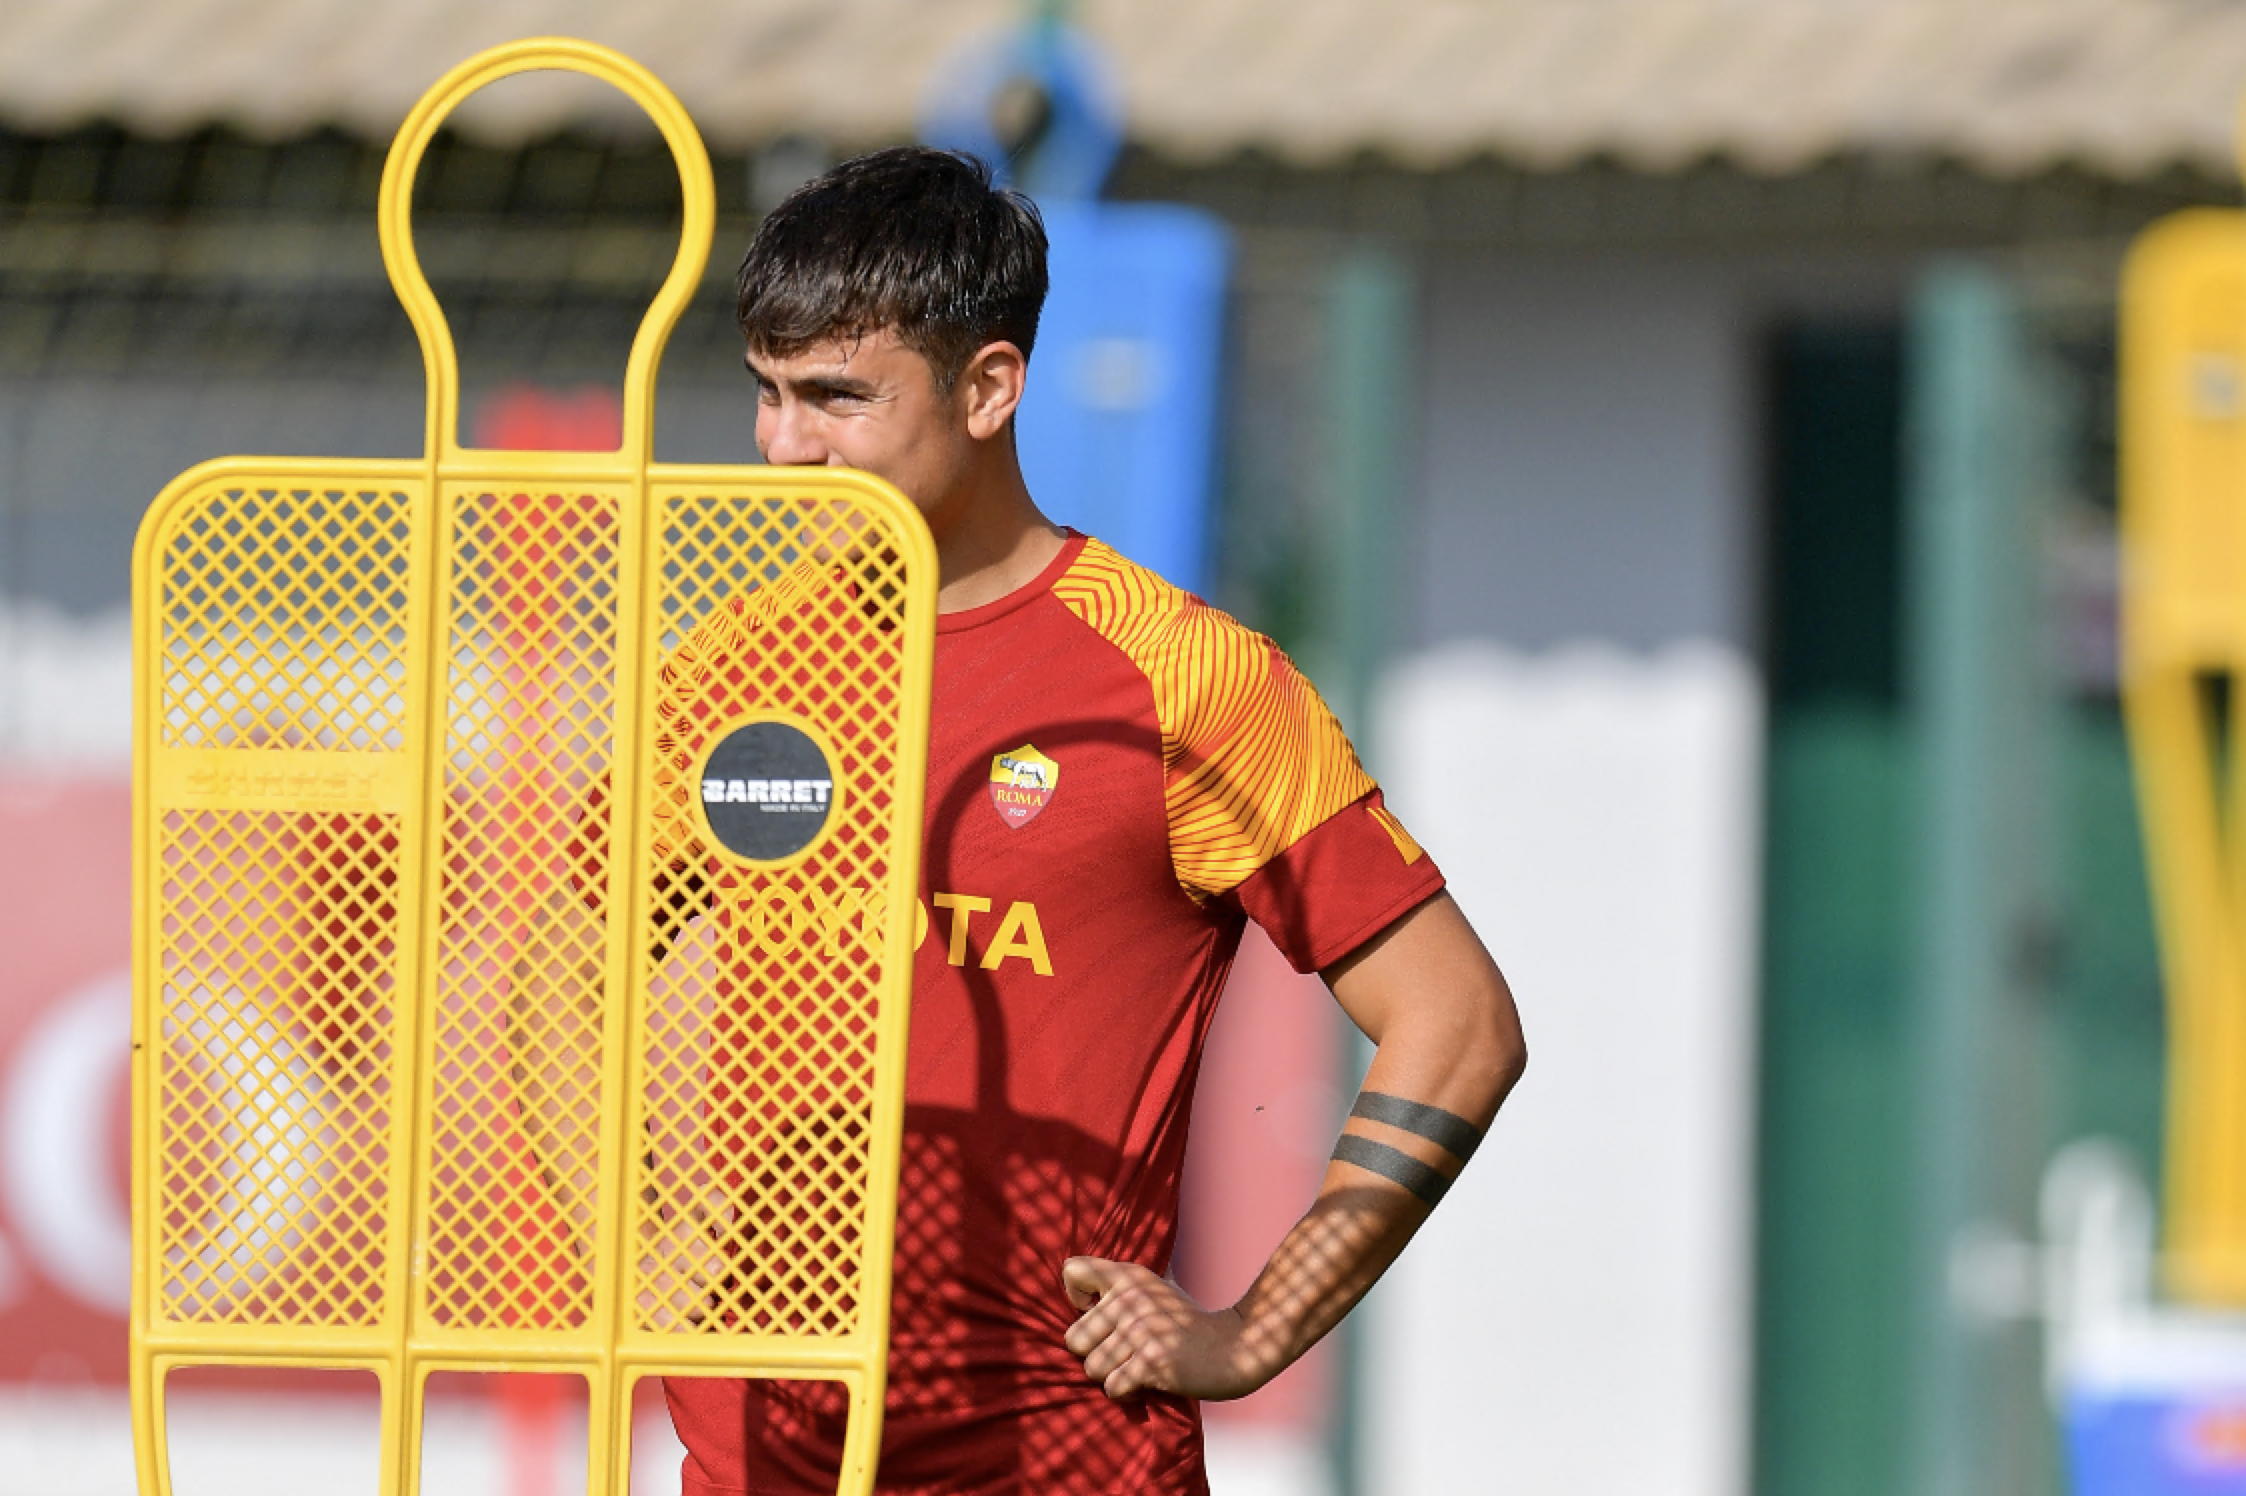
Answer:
(794, 439)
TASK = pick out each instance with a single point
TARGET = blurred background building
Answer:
(1625, 404)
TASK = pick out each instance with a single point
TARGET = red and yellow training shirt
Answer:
(1119, 775)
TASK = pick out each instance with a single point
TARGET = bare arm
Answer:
(1427, 993)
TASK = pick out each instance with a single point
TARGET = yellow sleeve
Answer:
(1252, 759)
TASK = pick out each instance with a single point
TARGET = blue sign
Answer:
(2157, 1444)
(1118, 429)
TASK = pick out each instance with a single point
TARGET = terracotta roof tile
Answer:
(2120, 87)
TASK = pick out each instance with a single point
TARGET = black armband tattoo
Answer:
(1446, 1130)
(1423, 1180)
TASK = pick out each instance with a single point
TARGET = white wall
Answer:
(1587, 469)
(1577, 739)
(66, 690)
(1575, 1320)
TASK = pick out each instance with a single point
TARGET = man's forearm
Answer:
(1396, 1157)
(1450, 1049)
(1322, 1267)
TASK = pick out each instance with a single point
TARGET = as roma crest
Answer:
(1020, 784)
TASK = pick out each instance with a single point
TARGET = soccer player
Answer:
(1119, 777)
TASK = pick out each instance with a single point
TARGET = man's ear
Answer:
(990, 388)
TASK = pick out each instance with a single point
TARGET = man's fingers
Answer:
(1127, 1335)
(1105, 1357)
(1097, 1324)
(1123, 1383)
(1090, 1282)
(1087, 1278)
(1123, 1365)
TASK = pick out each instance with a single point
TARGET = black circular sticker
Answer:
(767, 789)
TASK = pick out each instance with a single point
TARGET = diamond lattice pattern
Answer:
(757, 1054)
(279, 935)
(516, 1048)
(282, 615)
(283, 624)
(283, 618)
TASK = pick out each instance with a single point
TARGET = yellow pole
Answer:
(2183, 531)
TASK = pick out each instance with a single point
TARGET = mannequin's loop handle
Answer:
(535, 54)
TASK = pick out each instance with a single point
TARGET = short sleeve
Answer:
(1345, 881)
(1257, 776)
(1255, 759)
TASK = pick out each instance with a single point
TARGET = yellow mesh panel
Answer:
(756, 1105)
(312, 586)
(531, 633)
(274, 1065)
(477, 1024)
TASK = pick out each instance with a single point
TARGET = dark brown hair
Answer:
(912, 239)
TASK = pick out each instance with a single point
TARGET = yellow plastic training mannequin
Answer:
(526, 848)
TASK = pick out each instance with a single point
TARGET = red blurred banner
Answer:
(528, 418)
(65, 1023)
(1264, 1118)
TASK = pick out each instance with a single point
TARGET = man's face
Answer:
(868, 402)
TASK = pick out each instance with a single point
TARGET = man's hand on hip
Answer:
(1449, 1049)
(1142, 1332)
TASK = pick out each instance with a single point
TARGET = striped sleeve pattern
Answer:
(1252, 759)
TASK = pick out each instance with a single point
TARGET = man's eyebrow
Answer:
(837, 384)
(825, 384)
